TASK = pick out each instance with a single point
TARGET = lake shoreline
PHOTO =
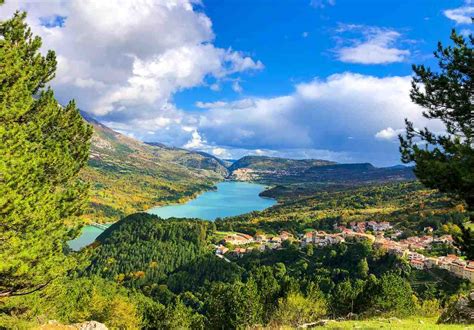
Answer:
(229, 198)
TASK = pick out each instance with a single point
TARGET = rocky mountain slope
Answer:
(127, 175)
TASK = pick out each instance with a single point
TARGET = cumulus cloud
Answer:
(347, 115)
(126, 60)
(375, 46)
(236, 87)
(129, 58)
(461, 15)
(388, 133)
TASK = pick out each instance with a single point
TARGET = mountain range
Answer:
(127, 175)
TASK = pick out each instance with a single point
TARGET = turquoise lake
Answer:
(231, 198)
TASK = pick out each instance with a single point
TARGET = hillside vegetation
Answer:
(170, 262)
(142, 248)
(408, 205)
(127, 175)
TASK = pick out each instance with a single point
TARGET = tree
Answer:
(269, 289)
(445, 161)
(344, 295)
(393, 295)
(362, 268)
(465, 242)
(296, 309)
(43, 146)
(232, 306)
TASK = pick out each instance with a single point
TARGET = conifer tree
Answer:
(43, 146)
(445, 161)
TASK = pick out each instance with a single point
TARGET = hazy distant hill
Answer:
(296, 178)
(363, 172)
(264, 168)
(127, 175)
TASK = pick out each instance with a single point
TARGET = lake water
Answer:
(88, 235)
(231, 198)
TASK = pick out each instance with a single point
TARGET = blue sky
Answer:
(296, 41)
(303, 79)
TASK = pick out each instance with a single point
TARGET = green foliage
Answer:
(232, 306)
(267, 280)
(344, 296)
(43, 147)
(296, 309)
(202, 270)
(445, 162)
(393, 295)
(142, 249)
(70, 300)
(362, 268)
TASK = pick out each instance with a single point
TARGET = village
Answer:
(238, 244)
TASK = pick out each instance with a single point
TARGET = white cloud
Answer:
(314, 121)
(319, 115)
(128, 58)
(209, 105)
(196, 141)
(220, 152)
(240, 104)
(377, 46)
(465, 32)
(388, 133)
(461, 15)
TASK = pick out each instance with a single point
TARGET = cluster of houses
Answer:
(406, 248)
(259, 241)
(321, 238)
(452, 263)
(361, 227)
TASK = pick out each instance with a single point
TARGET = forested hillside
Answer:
(168, 262)
(127, 175)
(142, 248)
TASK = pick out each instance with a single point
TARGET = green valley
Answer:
(126, 175)
(112, 229)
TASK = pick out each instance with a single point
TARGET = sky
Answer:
(327, 79)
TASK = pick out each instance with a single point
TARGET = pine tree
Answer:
(445, 161)
(43, 146)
